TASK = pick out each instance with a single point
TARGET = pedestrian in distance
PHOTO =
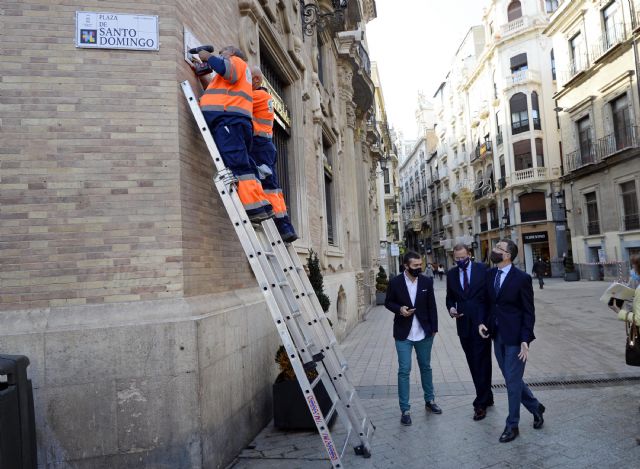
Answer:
(539, 268)
(440, 271)
(227, 107)
(466, 303)
(429, 271)
(411, 298)
(509, 319)
(263, 152)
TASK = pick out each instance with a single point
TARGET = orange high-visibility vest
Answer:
(231, 92)
(262, 113)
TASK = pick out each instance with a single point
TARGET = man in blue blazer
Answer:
(509, 320)
(410, 297)
(466, 290)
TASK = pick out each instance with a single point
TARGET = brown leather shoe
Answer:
(479, 414)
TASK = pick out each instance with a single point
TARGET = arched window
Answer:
(519, 114)
(514, 10)
(535, 111)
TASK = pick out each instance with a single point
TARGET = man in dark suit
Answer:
(509, 320)
(410, 297)
(466, 288)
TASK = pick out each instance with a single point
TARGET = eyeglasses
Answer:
(500, 249)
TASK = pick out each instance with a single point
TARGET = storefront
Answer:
(536, 246)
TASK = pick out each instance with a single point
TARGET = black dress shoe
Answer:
(509, 434)
(433, 407)
(405, 419)
(538, 419)
(479, 413)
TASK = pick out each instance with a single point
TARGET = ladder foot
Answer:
(362, 451)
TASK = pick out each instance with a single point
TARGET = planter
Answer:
(290, 411)
(380, 297)
(571, 276)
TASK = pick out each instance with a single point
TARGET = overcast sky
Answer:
(413, 42)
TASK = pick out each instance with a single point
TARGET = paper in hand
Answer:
(618, 291)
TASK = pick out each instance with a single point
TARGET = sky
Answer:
(413, 42)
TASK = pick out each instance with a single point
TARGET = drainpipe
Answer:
(635, 45)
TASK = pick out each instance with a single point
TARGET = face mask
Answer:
(496, 257)
(463, 263)
(635, 276)
(415, 272)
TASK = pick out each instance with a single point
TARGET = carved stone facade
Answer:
(119, 264)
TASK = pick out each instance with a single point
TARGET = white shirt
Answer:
(462, 275)
(416, 333)
(505, 270)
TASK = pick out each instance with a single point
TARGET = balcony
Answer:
(484, 226)
(581, 157)
(445, 197)
(533, 215)
(577, 65)
(515, 26)
(522, 77)
(530, 175)
(502, 183)
(624, 138)
(466, 239)
(447, 220)
(608, 41)
(593, 227)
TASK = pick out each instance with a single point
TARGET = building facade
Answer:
(597, 99)
(496, 108)
(122, 279)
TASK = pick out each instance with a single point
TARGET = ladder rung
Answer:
(283, 283)
(315, 382)
(331, 412)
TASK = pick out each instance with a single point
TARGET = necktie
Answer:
(496, 284)
(465, 280)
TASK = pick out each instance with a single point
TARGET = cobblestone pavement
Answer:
(586, 425)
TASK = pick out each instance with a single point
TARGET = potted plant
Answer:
(290, 411)
(570, 273)
(382, 282)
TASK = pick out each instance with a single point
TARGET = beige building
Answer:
(497, 109)
(122, 279)
(597, 99)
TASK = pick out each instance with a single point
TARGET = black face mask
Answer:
(496, 257)
(415, 272)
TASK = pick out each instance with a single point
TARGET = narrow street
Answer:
(587, 424)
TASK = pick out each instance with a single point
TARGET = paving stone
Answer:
(585, 426)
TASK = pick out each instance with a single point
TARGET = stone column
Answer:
(348, 111)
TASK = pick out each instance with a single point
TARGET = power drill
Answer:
(202, 68)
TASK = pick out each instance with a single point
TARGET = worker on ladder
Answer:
(227, 106)
(263, 152)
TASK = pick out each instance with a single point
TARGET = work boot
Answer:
(286, 230)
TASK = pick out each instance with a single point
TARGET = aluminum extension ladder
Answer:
(303, 327)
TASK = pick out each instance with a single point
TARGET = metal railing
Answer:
(609, 40)
(581, 157)
(364, 59)
(612, 143)
(631, 222)
(593, 227)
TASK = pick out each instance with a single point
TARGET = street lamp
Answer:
(505, 219)
(312, 16)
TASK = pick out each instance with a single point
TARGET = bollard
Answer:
(17, 419)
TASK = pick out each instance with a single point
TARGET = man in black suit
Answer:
(410, 297)
(466, 288)
(509, 320)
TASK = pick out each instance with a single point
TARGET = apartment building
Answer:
(595, 46)
(498, 101)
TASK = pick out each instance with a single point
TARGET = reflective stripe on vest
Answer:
(231, 92)
(262, 113)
